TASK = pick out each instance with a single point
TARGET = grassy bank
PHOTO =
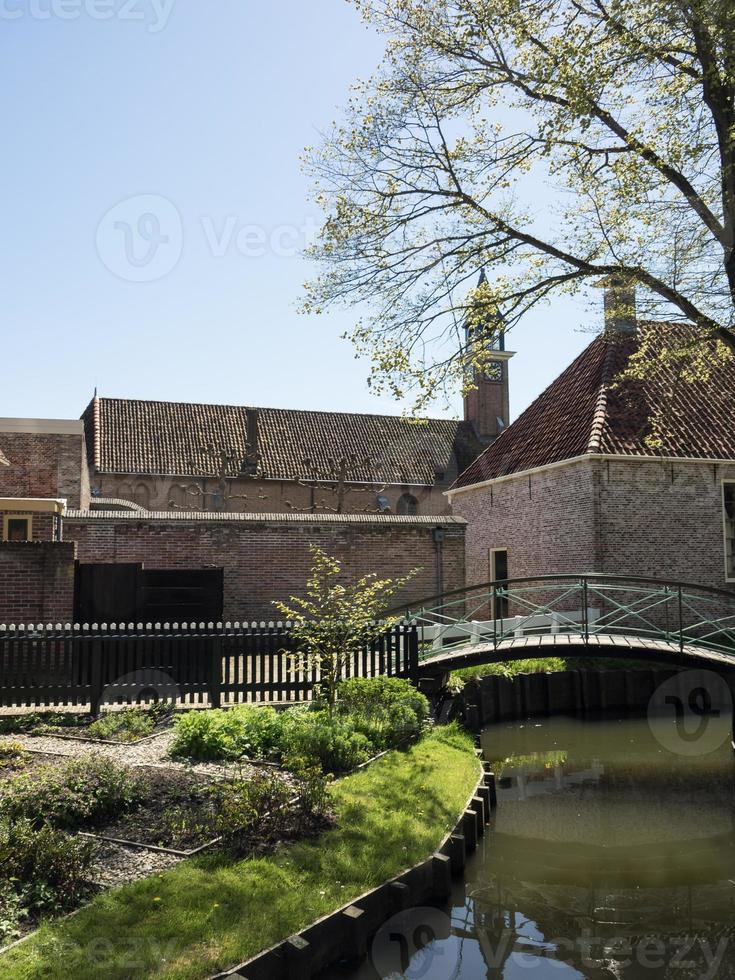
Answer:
(211, 913)
(550, 665)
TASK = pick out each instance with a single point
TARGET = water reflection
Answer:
(609, 857)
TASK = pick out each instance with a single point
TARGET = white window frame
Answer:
(28, 518)
(729, 571)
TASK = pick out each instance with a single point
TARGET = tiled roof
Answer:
(588, 411)
(182, 439)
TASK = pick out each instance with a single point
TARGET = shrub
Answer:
(123, 726)
(81, 793)
(545, 665)
(45, 867)
(245, 808)
(13, 756)
(385, 709)
(12, 912)
(216, 734)
(318, 736)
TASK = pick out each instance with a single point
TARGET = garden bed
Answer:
(15, 758)
(210, 912)
(121, 726)
(76, 823)
(213, 782)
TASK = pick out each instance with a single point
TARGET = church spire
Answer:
(486, 404)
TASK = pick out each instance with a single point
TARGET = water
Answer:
(611, 855)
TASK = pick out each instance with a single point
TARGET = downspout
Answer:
(439, 534)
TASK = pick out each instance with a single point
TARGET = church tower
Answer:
(486, 404)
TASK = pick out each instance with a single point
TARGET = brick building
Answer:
(236, 459)
(632, 477)
(67, 556)
(183, 456)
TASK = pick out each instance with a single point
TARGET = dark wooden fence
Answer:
(205, 664)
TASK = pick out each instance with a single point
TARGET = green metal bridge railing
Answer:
(589, 605)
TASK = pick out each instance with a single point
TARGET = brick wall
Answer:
(267, 558)
(45, 465)
(37, 582)
(545, 520)
(647, 519)
(663, 520)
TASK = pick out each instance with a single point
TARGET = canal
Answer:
(611, 855)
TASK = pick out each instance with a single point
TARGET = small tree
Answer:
(335, 620)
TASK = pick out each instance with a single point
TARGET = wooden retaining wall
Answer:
(495, 698)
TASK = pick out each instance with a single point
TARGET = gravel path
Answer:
(115, 864)
(152, 752)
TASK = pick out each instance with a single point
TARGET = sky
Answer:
(154, 209)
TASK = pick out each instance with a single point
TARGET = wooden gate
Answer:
(130, 593)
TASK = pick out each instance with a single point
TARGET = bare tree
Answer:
(228, 465)
(339, 478)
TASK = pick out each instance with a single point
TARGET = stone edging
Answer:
(345, 933)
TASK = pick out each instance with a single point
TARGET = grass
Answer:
(210, 913)
(549, 665)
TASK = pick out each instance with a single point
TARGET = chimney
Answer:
(253, 454)
(620, 306)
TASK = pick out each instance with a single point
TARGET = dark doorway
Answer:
(130, 593)
(499, 573)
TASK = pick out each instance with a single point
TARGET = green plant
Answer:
(314, 803)
(13, 756)
(123, 726)
(216, 734)
(335, 621)
(45, 867)
(249, 807)
(12, 913)
(385, 709)
(81, 793)
(327, 739)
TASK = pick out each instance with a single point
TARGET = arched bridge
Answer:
(573, 615)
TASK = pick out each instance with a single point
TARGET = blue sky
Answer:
(116, 110)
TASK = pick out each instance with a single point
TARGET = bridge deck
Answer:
(575, 644)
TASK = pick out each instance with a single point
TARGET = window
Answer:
(17, 529)
(407, 504)
(728, 504)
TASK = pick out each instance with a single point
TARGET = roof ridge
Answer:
(270, 408)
